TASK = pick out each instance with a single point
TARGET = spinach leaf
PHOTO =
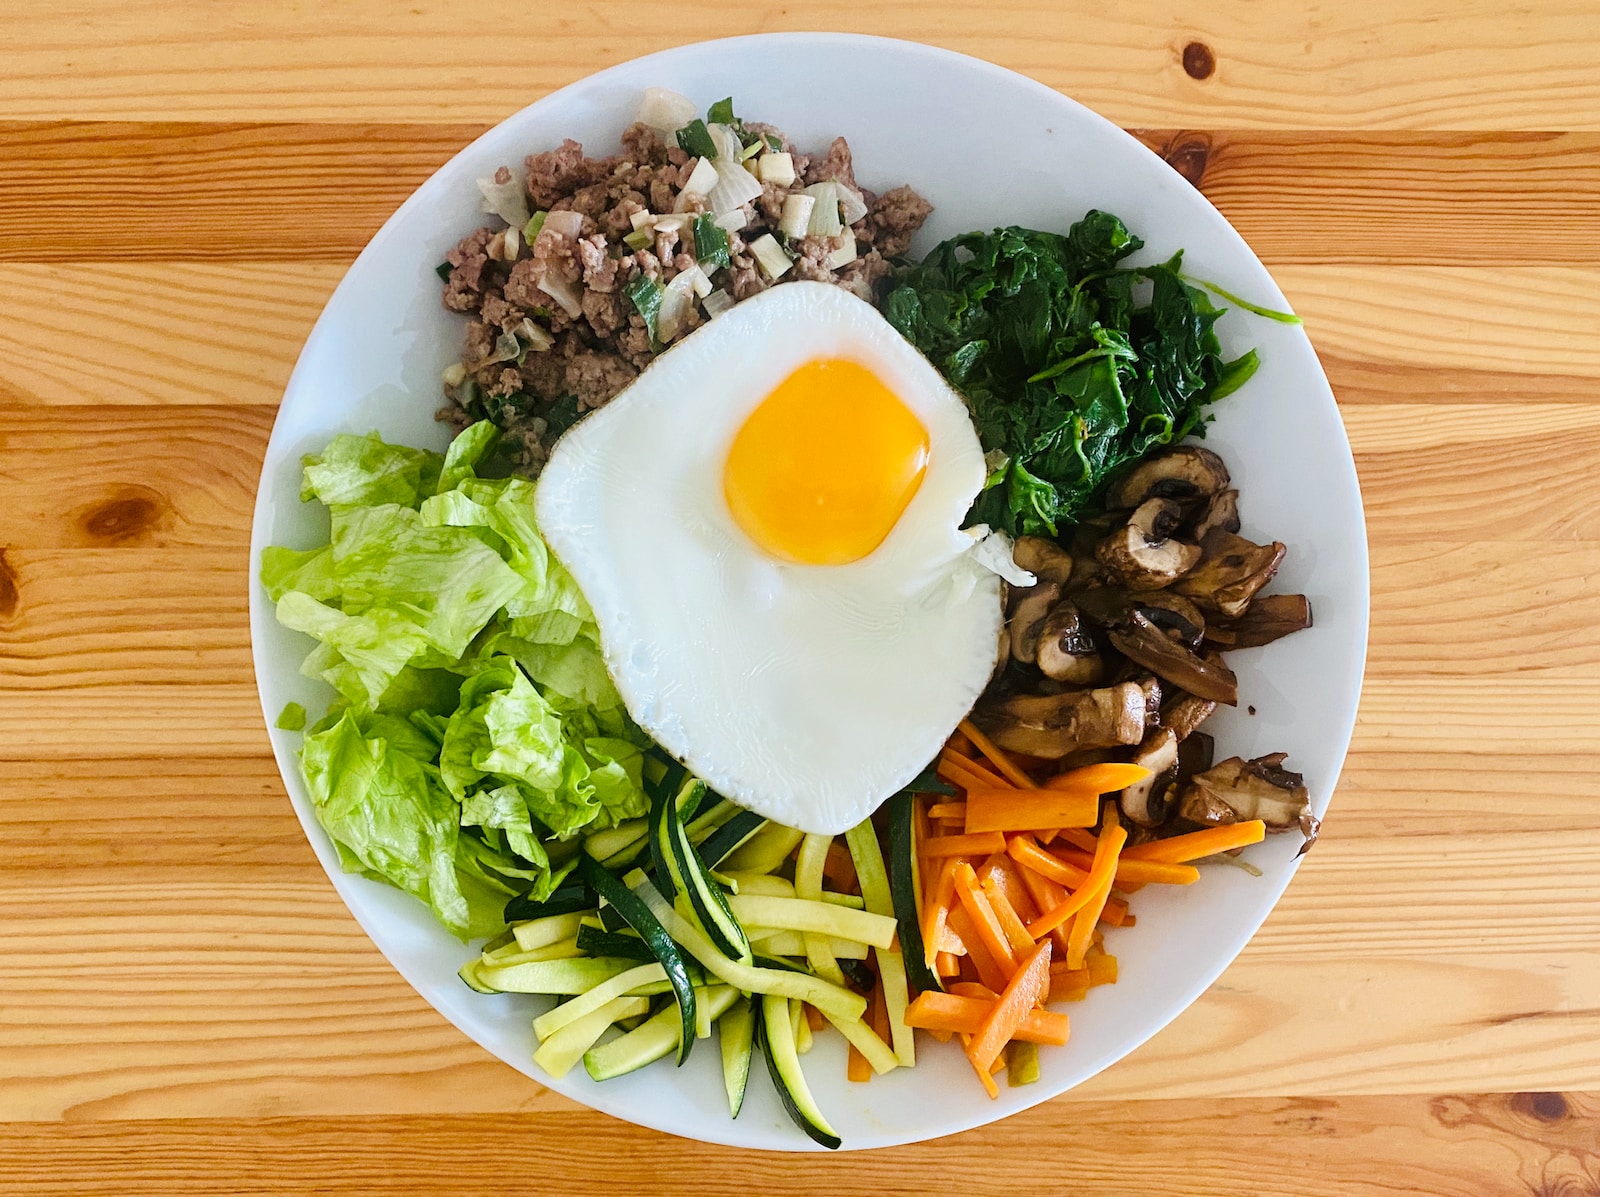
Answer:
(1073, 364)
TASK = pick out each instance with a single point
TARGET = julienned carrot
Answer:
(1136, 871)
(1112, 837)
(1093, 891)
(814, 1018)
(964, 772)
(840, 868)
(1098, 779)
(953, 1012)
(1007, 875)
(1080, 839)
(978, 955)
(984, 1074)
(1116, 912)
(936, 913)
(1007, 767)
(1010, 922)
(1069, 985)
(983, 919)
(1047, 895)
(956, 811)
(1029, 855)
(1010, 810)
(1102, 969)
(963, 845)
(947, 964)
(1026, 989)
(1198, 844)
(856, 1067)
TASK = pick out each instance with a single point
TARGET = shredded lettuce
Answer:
(474, 727)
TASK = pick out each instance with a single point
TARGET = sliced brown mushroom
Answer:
(1269, 617)
(1187, 472)
(1067, 652)
(1144, 552)
(1140, 640)
(1222, 512)
(1195, 755)
(1175, 615)
(1238, 789)
(1230, 571)
(1027, 619)
(1186, 714)
(1151, 687)
(1149, 802)
(1044, 559)
(1052, 725)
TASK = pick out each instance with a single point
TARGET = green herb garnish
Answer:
(710, 243)
(694, 138)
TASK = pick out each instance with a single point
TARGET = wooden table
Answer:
(186, 1007)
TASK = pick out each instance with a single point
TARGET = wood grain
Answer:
(1421, 65)
(1350, 1147)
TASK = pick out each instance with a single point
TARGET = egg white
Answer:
(806, 693)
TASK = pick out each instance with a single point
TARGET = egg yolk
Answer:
(822, 469)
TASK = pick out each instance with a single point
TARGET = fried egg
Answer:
(767, 525)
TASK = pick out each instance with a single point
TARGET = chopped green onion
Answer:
(751, 150)
(645, 295)
(774, 143)
(641, 238)
(443, 270)
(694, 138)
(721, 113)
(535, 222)
(710, 243)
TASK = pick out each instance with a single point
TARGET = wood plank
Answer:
(1468, 66)
(1434, 198)
(1369, 1146)
(312, 192)
(90, 477)
(163, 333)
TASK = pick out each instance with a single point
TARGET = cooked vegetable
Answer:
(1199, 844)
(737, 1029)
(783, 1064)
(1071, 372)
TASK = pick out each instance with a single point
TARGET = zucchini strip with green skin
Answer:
(637, 915)
(578, 975)
(548, 930)
(874, 879)
(736, 1031)
(752, 978)
(783, 1063)
(903, 893)
(823, 918)
(651, 1039)
(691, 878)
(720, 843)
(808, 867)
(564, 1048)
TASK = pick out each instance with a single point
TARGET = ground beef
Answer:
(600, 345)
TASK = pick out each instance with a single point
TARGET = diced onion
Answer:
(676, 299)
(825, 216)
(534, 337)
(732, 222)
(666, 110)
(717, 302)
(776, 168)
(796, 215)
(851, 203)
(736, 186)
(506, 200)
(671, 223)
(702, 179)
(769, 255)
(454, 374)
(639, 219)
(844, 253)
(698, 282)
(563, 292)
(567, 223)
(506, 349)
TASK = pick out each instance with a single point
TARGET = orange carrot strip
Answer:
(956, 811)
(1007, 874)
(1027, 988)
(1081, 839)
(1047, 895)
(1116, 913)
(1016, 932)
(964, 845)
(978, 957)
(936, 913)
(987, 1078)
(856, 1067)
(1093, 891)
(814, 1018)
(1112, 838)
(1197, 844)
(840, 868)
(964, 772)
(947, 964)
(1029, 855)
(983, 919)
(1098, 779)
(1069, 985)
(958, 743)
(1010, 810)
(1102, 969)
(1136, 871)
(1007, 767)
(953, 1012)
(880, 1013)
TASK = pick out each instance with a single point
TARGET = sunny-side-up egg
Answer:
(767, 524)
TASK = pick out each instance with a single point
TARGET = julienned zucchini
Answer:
(716, 846)
(737, 1031)
(903, 892)
(594, 942)
(783, 1064)
(677, 862)
(572, 976)
(651, 1039)
(568, 899)
(638, 916)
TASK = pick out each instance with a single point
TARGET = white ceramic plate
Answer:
(987, 147)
